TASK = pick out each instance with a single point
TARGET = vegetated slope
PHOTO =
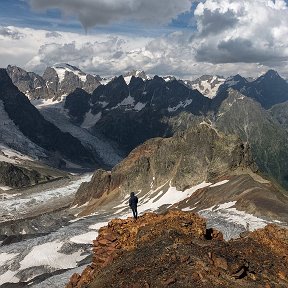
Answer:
(176, 250)
(33, 125)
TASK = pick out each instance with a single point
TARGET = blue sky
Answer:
(185, 38)
(19, 13)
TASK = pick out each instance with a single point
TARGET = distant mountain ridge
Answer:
(269, 89)
(131, 114)
(56, 82)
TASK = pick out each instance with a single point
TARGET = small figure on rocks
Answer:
(133, 201)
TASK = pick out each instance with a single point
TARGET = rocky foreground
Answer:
(176, 250)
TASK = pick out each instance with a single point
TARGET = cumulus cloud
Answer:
(94, 12)
(10, 33)
(243, 36)
(246, 31)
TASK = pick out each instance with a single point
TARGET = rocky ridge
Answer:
(186, 159)
(193, 159)
(176, 250)
(118, 110)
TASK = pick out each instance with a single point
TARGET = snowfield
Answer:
(68, 246)
(13, 208)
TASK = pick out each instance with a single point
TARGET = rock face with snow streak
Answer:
(184, 254)
(31, 84)
(131, 114)
(62, 79)
(57, 81)
(186, 159)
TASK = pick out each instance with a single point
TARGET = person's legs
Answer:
(134, 210)
(136, 213)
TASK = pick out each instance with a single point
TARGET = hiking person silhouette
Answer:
(133, 201)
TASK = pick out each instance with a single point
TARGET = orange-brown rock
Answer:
(173, 250)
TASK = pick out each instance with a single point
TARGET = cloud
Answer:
(7, 32)
(245, 31)
(53, 34)
(216, 22)
(94, 12)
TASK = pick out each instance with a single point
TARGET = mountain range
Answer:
(212, 146)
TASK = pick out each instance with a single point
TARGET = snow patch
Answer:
(127, 79)
(97, 226)
(235, 216)
(182, 104)
(5, 257)
(220, 183)
(63, 68)
(86, 238)
(4, 188)
(47, 254)
(128, 101)
(9, 277)
(139, 106)
(91, 119)
(172, 196)
(103, 103)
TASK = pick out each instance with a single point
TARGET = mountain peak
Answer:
(66, 66)
(137, 73)
(271, 74)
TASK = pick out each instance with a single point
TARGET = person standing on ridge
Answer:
(133, 201)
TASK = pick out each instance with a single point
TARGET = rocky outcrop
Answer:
(186, 159)
(176, 250)
(77, 103)
(16, 177)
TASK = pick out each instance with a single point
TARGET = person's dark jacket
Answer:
(133, 200)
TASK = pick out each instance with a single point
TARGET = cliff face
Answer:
(176, 250)
(186, 159)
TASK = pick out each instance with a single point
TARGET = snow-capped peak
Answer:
(208, 85)
(61, 69)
